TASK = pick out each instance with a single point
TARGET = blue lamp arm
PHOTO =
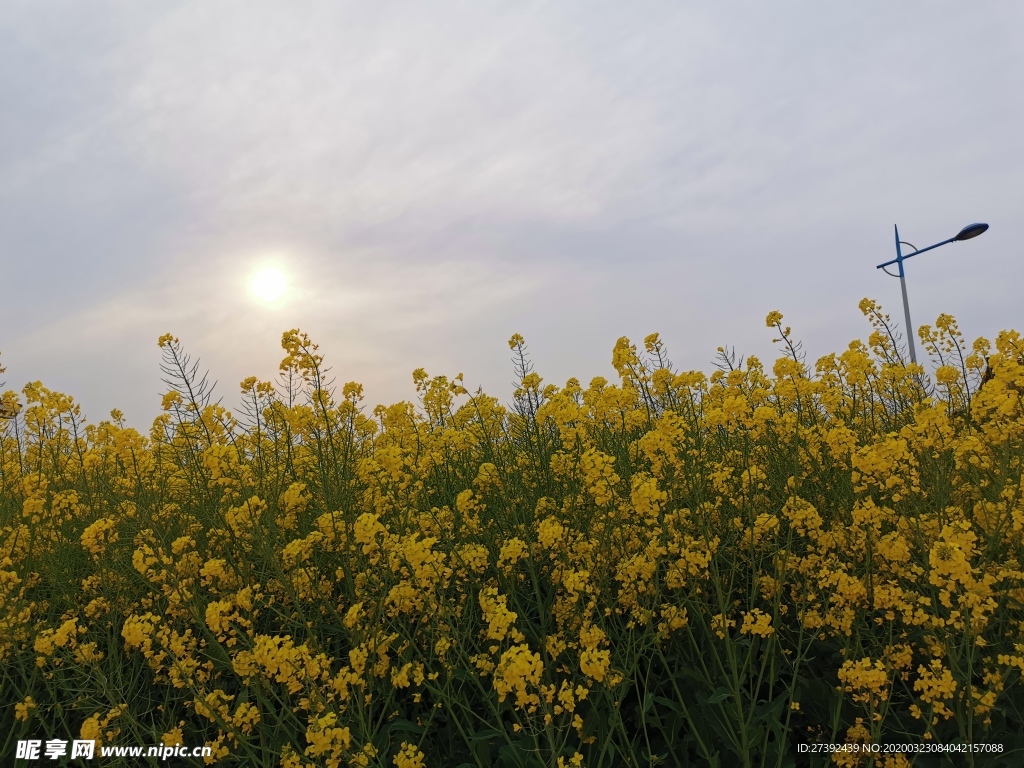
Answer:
(904, 258)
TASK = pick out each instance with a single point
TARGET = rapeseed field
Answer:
(673, 569)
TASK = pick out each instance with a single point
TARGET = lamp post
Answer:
(971, 230)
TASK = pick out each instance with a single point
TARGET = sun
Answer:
(268, 284)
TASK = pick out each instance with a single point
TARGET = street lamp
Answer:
(971, 230)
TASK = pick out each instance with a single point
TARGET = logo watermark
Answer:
(53, 749)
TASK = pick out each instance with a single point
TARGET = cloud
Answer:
(354, 118)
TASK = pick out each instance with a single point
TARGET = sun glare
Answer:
(269, 284)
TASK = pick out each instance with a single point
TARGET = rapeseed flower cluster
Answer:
(673, 567)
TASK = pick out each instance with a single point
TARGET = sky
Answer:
(431, 178)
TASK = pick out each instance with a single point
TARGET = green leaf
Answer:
(485, 735)
(675, 706)
(720, 695)
(514, 756)
(404, 726)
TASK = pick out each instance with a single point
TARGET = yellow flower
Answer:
(756, 622)
(91, 729)
(409, 756)
(721, 624)
(512, 551)
(937, 687)
(519, 670)
(865, 679)
(23, 709)
(594, 663)
(326, 738)
(137, 629)
(495, 612)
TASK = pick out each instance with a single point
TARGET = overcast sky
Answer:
(434, 177)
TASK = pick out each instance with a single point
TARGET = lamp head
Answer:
(971, 230)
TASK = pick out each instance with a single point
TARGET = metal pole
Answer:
(906, 303)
